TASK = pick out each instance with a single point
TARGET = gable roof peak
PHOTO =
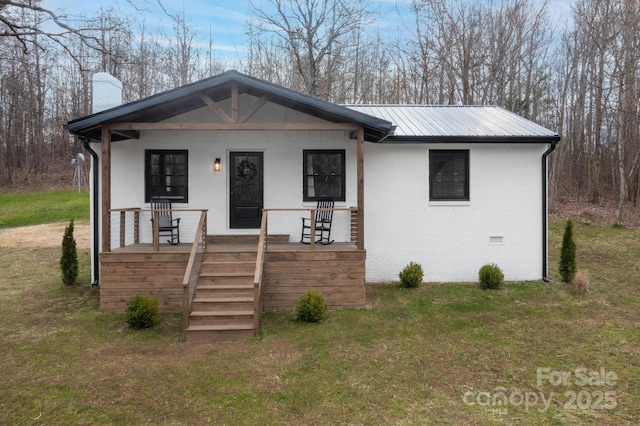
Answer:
(183, 99)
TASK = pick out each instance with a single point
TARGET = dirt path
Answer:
(49, 235)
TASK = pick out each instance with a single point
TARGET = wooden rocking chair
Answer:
(167, 225)
(323, 219)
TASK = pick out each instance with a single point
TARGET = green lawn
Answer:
(34, 208)
(439, 354)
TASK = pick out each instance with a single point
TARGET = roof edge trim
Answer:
(470, 139)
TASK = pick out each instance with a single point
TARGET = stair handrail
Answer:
(257, 277)
(198, 248)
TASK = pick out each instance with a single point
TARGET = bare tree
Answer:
(315, 33)
(473, 53)
(627, 58)
(181, 58)
(31, 32)
(598, 105)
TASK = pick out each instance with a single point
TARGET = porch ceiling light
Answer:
(217, 165)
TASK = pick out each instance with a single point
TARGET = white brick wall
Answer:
(450, 240)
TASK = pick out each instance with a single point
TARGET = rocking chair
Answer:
(167, 225)
(323, 219)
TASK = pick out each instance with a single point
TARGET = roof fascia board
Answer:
(470, 139)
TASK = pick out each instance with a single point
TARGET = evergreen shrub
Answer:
(142, 312)
(69, 257)
(490, 276)
(568, 266)
(311, 307)
(411, 276)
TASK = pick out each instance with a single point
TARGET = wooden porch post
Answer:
(123, 224)
(106, 189)
(360, 161)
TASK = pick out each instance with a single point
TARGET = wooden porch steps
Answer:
(208, 333)
(204, 304)
(244, 317)
(223, 303)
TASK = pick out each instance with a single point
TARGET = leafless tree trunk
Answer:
(313, 32)
(181, 58)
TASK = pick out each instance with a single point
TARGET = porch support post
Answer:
(123, 224)
(106, 189)
(360, 162)
(136, 226)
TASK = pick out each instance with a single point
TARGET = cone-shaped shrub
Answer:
(568, 264)
(69, 257)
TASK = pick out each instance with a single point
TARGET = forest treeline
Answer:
(579, 78)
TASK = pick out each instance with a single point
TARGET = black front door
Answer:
(245, 189)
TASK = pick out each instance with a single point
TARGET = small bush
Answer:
(142, 312)
(69, 257)
(568, 264)
(311, 307)
(490, 276)
(411, 275)
(581, 283)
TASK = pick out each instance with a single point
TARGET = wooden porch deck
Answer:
(336, 270)
(231, 247)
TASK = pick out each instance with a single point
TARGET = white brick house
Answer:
(451, 188)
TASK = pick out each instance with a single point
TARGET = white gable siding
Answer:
(452, 240)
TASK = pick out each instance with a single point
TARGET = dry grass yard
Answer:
(440, 354)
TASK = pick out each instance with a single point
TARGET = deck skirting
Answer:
(338, 272)
(338, 275)
(125, 275)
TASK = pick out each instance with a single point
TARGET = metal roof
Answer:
(382, 123)
(431, 123)
(186, 98)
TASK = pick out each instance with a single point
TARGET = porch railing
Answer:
(129, 226)
(134, 218)
(198, 248)
(257, 277)
(352, 220)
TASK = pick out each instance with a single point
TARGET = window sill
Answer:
(449, 203)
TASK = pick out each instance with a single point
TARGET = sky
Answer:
(225, 19)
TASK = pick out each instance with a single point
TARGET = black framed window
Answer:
(449, 175)
(166, 175)
(324, 174)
